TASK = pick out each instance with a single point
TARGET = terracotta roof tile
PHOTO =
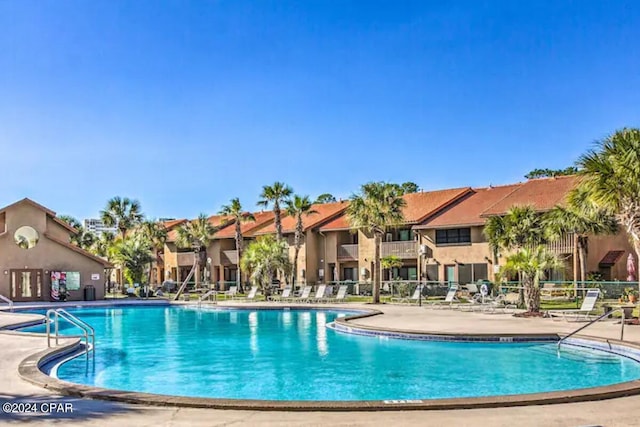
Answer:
(543, 194)
(468, 210)
(174, 222)
(215, 220)
(326, 211)
(419, 206)
(262, 219)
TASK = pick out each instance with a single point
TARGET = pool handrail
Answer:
(607, 314)
(88, 333)
(8, 301)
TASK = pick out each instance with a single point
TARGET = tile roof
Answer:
(262, 219)
(610, 258)
(468, 210)
(215, 220)
(326, 212)
(543, 194)
(419, 206)
(172, 223)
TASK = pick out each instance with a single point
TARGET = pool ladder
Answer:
(54, 316)
(594, 321)
(8, 301)
(210, 293)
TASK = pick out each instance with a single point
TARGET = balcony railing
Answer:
(348, 252)
(400, 249)
(229, 257)
(564, 245)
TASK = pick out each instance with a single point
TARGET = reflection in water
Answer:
(253, 328)
(286, 319)
(304, 325)
(321, 333)
(233, 317)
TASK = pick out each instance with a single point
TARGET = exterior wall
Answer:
(366, 253)
(600, 245)
(170, 259)
(312, 256)
(47, 255)
(56, 230)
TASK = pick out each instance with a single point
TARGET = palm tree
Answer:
(374, 210)
(611, 174)
(520, 227)
(298, 207)
(103, 247)
(325, 198)
(122, 213)
(531, 264)
(235, 213)
(581, 217)
(82, 237)
(197, 235)
(155, 233)
(389, 263)
(263, 258)
(133, 254)
(275, 195)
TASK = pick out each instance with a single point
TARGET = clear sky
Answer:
(184, 105)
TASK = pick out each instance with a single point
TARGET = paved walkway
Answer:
(614, 412)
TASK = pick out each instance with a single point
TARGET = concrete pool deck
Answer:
(613, 412)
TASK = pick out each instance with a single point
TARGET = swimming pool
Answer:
(292, 355)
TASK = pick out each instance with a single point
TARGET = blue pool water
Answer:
(291, 355)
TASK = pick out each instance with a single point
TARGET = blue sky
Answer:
(184, 105)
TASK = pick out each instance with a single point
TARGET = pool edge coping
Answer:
(29, 369)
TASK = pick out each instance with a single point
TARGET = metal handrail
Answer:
(8, 301)
(594, 321)
(88, 333)
(207, 295)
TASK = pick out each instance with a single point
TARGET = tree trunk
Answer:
(521, 298)
(532, 296)
(239, 251)
(294, 275)
(276, 212)
(377, 239)
(582, 255)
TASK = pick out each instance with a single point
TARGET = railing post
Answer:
(622, 326)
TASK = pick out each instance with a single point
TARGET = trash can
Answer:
(89, 293)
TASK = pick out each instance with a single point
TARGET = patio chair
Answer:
(414, 298)
(342, 294)
(251, 296)
(497, 305)
(304, 296)
(449, 300)
(231, 292)
(286, 294)
(582, 313)
(319, 296)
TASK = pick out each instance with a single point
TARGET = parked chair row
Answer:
(306, 295)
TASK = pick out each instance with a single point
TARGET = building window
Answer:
(404, 235)
(26, 237)
(470, 273)
(453, 236)
(431, 272)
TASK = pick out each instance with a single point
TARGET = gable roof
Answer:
(262, 219)
(325, 212)
(543, 194)
(468, 210)
(51, 214)
(214, 220)
(173, 223)
(79, 250)
(420, 206)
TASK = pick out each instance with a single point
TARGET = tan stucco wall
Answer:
(47, 255)
(600, 245)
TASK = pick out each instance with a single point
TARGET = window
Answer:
(470, 273)
(432, 272)
(453, 236)
(404, 235)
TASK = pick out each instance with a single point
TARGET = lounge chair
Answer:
(449, 300)
(286, 294)
(342, 294)
(251, 296)
(319, 296)
(414, 298)
(582, 313)
(304, 296)
(231, 292)
(499, 304)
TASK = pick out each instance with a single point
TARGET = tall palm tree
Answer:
(133, 254)
(531, 264)
(263, 258)
(298, 207)
(235, 213)
(155, 233)
(275, 195)
(611, 176)
(374, 210)
(581, 217)
(195, 234)
(123, 213)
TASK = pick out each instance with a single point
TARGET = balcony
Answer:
(348, 252)
(229, 257)
(403, 250)
(564, 245)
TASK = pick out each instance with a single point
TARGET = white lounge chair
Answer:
(231, 292)
(449, 300)
(251, 296)
(582, 313)
(319, 296)
(304, 297)
(286, 294)
(342, 294)
(414, 298)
